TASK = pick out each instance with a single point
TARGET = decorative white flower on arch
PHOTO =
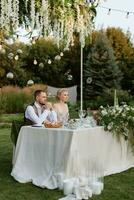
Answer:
(61, 19)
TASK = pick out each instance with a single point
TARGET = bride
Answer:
(61, 107)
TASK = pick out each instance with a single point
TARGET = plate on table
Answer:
(36, 125)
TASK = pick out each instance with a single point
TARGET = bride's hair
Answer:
(59, 92)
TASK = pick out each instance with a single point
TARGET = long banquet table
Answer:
(41, 153)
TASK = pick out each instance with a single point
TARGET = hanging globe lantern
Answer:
(41, 65)
(61, 54)
(49, 62)
(69, 77)
(30, 82)
(35, 62)
(10, 75)
(89, 80)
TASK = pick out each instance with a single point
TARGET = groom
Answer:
(40, 111)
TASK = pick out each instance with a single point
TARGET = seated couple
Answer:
(42, 112)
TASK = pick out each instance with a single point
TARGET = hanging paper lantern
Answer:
(49, 62)
(69, 77)
(30, 82)
(10, 75)
(41, 65)
(61, 54)
(35, 62)
(89, 80)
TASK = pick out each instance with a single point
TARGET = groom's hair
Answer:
(37, 93)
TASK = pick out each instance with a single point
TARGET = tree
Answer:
(120, 42)
(11, 61)
(44, 63)
(124, 53)
(100, 71)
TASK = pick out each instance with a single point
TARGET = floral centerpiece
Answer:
(119, 120)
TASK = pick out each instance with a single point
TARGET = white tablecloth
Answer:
(42, 153)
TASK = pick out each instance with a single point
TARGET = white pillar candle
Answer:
(96, 188)
(102, 185)
(117, 103)
(60, 178)
(68, 186)
(82, 192)
(83, 181)
(114, 98)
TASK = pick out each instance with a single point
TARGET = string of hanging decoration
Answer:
(110, 10)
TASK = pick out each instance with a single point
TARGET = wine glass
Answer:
(89, 113)
(82, 114)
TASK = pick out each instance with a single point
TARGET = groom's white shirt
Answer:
(42, 116)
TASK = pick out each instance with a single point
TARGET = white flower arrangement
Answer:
(119, 120)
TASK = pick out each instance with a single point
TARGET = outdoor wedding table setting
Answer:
(74, 158)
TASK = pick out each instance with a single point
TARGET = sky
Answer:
(116, 19)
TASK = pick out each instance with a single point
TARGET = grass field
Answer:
(117, 187)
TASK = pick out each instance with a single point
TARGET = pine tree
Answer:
(100, 70)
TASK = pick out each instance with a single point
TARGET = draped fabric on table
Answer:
(16, 126)
(43, 153)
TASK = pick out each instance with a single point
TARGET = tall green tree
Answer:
(100, 71)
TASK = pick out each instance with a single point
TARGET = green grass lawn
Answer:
(8, 118)
(117, 187)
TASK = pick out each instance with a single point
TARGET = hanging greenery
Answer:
(60, 19)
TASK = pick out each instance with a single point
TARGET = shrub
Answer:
(14, 99)
(107, 98)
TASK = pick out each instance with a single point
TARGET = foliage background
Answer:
(119, 65)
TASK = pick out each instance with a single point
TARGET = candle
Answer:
(83, 181)
(82, 192)
(114, 98)
(60, 178)
(117, 103)
(97, 187)
(68, 186)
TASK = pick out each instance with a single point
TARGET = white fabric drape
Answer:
(42, 153)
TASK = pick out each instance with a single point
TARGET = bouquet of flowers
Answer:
(119, 120)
